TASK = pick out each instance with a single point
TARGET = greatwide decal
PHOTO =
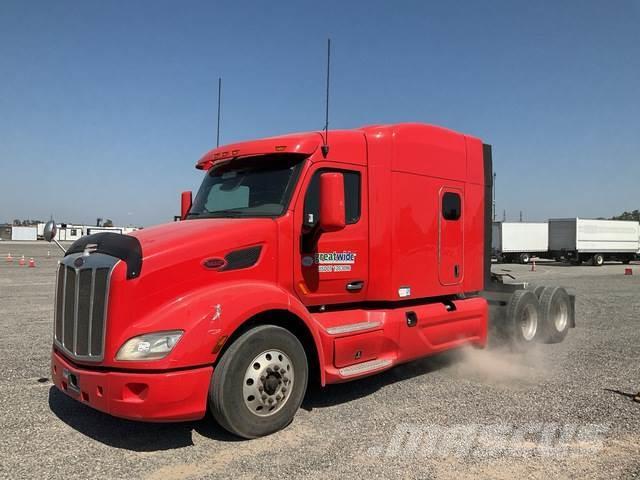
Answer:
(331, 261)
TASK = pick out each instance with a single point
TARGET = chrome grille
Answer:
(82, 291)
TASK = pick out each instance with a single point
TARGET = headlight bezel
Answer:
(149, 346)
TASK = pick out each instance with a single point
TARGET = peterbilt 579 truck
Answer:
(298, 261)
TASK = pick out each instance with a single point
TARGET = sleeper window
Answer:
(451, 206)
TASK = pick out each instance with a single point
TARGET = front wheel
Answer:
(259, 383)
(525, 258)
(597, 260)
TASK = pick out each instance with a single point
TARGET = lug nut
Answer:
(270, 400)
(269, 370)
(278, 398)
(264, 397)
(284, 389)
(263, 378)
(260, 388)
(276, 368)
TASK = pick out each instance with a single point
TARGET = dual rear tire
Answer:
(537, 315)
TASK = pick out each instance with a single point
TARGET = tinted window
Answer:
(451, 206)
(250, 187)
(351, 198)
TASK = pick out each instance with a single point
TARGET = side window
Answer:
(351, 198)
(451, 206)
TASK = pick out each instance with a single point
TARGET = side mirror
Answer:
(49, 232)
(331, 202)
(185, 204)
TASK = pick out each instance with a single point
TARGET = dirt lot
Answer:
(351, 430)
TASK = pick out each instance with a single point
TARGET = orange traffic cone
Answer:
(9, 257)
(533, 266)
(32, 263)
(21, 262)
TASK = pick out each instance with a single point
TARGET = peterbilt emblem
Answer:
(78, 262)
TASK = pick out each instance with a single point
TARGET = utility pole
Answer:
(504, 215)
(494, 196)
(520, 216)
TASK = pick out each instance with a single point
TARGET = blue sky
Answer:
(105, 106)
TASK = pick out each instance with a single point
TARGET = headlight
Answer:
(150, 346)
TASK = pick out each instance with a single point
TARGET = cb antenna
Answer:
(219, 96)
(325, 147)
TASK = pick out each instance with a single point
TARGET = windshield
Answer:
(258, 186)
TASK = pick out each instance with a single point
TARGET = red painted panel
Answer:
(358, 348)
(451, 239)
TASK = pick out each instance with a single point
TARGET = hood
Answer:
(173, 256)
(201, 236)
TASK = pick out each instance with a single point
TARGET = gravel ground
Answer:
(359, 429)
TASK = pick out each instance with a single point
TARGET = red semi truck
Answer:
(296, 262)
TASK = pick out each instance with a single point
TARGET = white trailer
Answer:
(519, 241)
(596, 241)
(24, 233)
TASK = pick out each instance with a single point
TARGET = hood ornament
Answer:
(89, 249)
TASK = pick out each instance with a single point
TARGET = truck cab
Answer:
(299, 260)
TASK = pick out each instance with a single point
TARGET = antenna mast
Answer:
(219, 96)
(325, 147)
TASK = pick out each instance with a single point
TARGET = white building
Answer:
(67, 232)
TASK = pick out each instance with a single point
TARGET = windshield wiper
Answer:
(231, 213)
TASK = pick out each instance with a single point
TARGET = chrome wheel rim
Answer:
(560, 316)
(529, 322)
(268, 382)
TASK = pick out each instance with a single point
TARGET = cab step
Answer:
(365, 367)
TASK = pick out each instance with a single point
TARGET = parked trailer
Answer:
(24, 233)
(519, 241)
(596, 241)
(296, 262)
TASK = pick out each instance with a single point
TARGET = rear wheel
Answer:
(597, 260)
(259, 383)
(555, 310)
(523, 319)
(525, 258)
(536, 289)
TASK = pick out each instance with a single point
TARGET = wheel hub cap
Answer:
(268, 382)
(529, 322)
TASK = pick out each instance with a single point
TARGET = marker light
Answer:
(150, 346)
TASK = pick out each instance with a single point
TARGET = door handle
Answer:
(355, 286)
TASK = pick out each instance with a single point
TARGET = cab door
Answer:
(451, 236)
(332, 267)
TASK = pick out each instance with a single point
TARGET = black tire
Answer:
(523, 308)
(525, 258)
(226, 392)
(626, 261)
(555, 314)
(597, 260)
(536, 289)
